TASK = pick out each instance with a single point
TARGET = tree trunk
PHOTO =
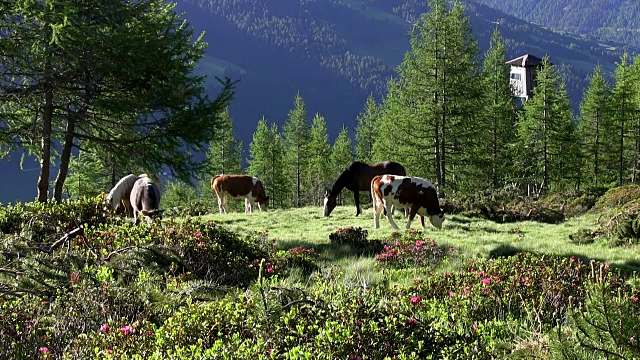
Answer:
(45, 153)
(64, 160)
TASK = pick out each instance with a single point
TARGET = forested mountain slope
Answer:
(355, 45)
(335, 53)
(609, 20)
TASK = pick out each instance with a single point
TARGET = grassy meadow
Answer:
(470, 237)
(77, 281)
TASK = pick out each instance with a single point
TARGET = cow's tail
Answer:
(213, 179)
(376, 197)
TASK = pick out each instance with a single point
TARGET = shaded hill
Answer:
(606, 20)
(336, 53)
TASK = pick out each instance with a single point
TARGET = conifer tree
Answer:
(432, 109)
(225, 149)
(366, 130)
(500, 116)
(548, 133)
(341, 156)
(296, 134)
(624, 103)
(319, 166)
(267, 163)
(595, 128)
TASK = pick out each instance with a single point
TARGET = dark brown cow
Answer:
(401, 192)
(239, 186)
(357, 176)
(145, 200)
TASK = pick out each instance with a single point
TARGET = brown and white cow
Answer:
(239, 186)
(145, 200)
(402, 192)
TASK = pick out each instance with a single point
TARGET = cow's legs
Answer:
(220, 205)
(248, 208)
(356, 198)
(388, 205)
(377, 209)
(412, 214)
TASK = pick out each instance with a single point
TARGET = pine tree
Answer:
(318, 171)
(341, 155)
(624, 103)
(267, 162)
(225, 150)
(595, 127)
(433, 106)
(500, 116)
(548, 133)
(260, 155)
(366, 130)
(296, 134)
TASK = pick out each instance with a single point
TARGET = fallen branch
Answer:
(68, 236)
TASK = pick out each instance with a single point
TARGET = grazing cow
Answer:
(145, 200)
(239, 186)
(118, 197)
(416, 194)
(357, 176)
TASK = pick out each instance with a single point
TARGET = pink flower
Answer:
(419, 242)
(197, 234)
(44, 350)
(200, 244)
(634, 298)
(474, 326)
(270, 270)
(126, 330)
(573, 258)
(471, 261)
(80, 240)
(417, 248)
(411, 322)
(415, 300)
(149, 333)
(486, 281)
(109, 351)
(256, 261)
(270, 351)
(104, 328)
(451, 293)
(452, 249)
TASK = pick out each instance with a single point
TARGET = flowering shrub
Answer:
(411, 251)
(280, 262)
(356, 238)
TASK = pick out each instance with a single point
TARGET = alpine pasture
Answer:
(79, 281)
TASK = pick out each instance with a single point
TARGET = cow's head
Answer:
(148, 216)
(329, 203)
(264, 203)
(437, 219)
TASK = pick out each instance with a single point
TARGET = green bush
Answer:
(356, 238)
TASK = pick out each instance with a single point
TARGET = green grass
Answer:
(471, 238)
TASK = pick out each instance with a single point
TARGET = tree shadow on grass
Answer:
(504, 251)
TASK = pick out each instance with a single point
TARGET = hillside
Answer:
(606, 20)
(335, 53)
(355, 45)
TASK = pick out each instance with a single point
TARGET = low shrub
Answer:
(411, 250)
(356, 238)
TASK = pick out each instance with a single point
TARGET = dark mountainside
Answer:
(606, 20)
(335, 53)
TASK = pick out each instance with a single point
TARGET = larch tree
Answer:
(624, 114)
(431, 109)
(319, 166)
(112, 78)
(341, 156)
(296, 135)
(225, 149)
(595, 129)
(367, 130)
(548, 133)
(499, 122)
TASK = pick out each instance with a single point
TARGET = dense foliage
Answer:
(192, 289)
